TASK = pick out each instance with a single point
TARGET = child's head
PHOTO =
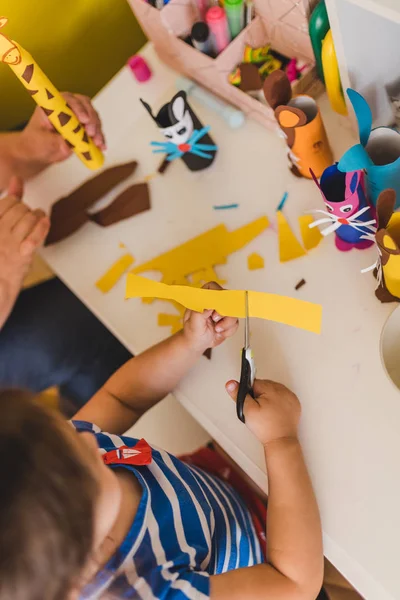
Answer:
(57, 501)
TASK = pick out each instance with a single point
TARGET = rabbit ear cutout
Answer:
(277, 89)
(385, 207)
(363, 114)
(289, 117)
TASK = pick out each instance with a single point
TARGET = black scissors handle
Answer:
(245, 386)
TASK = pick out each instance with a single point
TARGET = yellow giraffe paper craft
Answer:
(50, 100)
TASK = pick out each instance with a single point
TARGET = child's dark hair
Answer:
(46, 504)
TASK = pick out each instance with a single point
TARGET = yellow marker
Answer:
(231, 303)
(50, 100)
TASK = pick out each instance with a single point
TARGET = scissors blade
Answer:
(247, 322)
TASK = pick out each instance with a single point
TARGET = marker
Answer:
(249, 11)
(218, 24)
(201, 37)
(235, 14)
(202, 7)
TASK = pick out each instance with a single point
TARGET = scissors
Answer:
(248, 370)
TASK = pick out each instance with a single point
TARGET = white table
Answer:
(351, 410)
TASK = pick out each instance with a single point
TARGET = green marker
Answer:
(235, 13)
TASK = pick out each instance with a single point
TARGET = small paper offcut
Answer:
(255, 261)
(114, 274)
(289, 246)
(231, 303)
(311, 237)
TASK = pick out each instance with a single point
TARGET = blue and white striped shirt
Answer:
(189, 525)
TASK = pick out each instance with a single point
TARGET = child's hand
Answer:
(42, 144)
(273, 415)
(208, 329)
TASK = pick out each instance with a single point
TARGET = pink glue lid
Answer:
(139, 68)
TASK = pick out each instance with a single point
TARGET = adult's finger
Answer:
(36, 238)
(7, 203)
(75, 103)
(25, 226)
(16, 187)
(14, 214)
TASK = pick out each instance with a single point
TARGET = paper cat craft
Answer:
(301, 123)
(187, 138)
(349, 214)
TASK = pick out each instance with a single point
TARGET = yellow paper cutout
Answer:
(255, 261)
(289, 246)
(231, 303)
(114, 273)
(50, 100)
(202, 252)
(121, 245)
(311, 237)
(173, 321)
(204, 276)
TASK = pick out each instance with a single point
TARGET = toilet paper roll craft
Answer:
(187, 138)
(378, 152)
(387, 237)
(50, 100)
(349, 214)
(301, 124)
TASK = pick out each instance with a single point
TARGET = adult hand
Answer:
(274, 412)
(40, 142)
(22, 231)
(208, 329)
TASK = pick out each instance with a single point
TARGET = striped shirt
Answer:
(189, 525)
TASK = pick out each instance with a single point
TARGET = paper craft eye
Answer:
(346, 209)
(182, 131)
(168, 135)
(329, 207)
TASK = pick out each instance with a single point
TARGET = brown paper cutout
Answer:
(251, 80)
(277, 89)
(132, 201)
(69, 213)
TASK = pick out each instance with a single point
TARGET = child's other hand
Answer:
(42, 144)
(208, 329)
(273, 414)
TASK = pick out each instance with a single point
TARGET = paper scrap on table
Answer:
(173, 321)
(114, 274)
(289, 246)
(311, 237)
(202, 252)
(255, 261)
(231, 303)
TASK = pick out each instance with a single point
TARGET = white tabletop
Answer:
(351, 410)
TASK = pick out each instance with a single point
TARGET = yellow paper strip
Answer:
(231, 303)
(311, 237)
(173, 321)
(289, 246)
(114, 273)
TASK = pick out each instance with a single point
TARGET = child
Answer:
(150, 526)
